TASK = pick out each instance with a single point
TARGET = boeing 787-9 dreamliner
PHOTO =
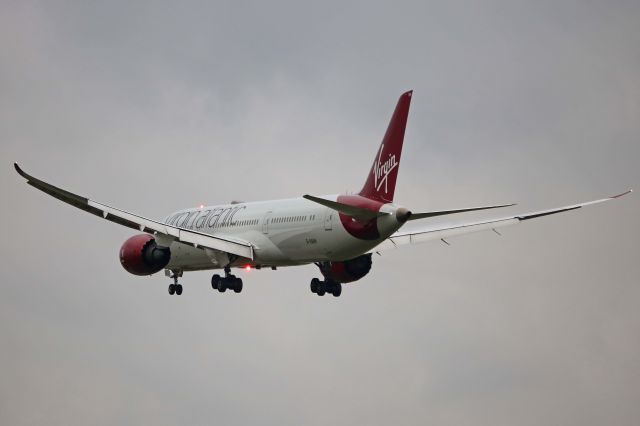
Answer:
(338, 233)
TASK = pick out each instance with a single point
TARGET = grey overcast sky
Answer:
(156, 106)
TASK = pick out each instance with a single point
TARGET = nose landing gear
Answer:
(229, 281)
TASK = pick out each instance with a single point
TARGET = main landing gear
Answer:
(229, 281)
(321, 287)
(175, 288)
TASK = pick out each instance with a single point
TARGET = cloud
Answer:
(153, 107)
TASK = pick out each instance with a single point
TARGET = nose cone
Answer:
(402, 215)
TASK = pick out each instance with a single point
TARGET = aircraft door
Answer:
(266, 221)
(328, 219)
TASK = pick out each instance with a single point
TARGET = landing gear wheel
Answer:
(337, 290)
(315, 283)
(237, 287)
(174, 288)
(228, 282)
(215, 281)
(321, 289)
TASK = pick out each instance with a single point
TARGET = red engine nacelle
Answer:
(347, 271)
(140, 255)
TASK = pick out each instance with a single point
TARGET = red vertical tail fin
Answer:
(381, 183)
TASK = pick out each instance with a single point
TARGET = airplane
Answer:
(337, 233)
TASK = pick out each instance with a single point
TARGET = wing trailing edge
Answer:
(435, 232)
(142, 224)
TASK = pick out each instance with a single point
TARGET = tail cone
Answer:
(403, 215)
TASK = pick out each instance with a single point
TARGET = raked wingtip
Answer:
(622, 194)
(20, 171)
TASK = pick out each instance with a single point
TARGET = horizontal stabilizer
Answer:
(358, 213)
(415, 216)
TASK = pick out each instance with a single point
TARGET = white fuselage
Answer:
(285, 232)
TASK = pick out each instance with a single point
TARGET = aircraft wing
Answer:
(436, 232)
(142, 224)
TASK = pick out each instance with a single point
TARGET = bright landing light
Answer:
(247, 268)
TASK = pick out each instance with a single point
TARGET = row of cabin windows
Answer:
(246, 222)
(287, 219)
(290, 219)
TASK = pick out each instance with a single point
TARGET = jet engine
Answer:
(140, 255)
(348, 270)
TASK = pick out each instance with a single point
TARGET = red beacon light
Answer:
(247, 267)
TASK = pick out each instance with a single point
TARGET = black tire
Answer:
(179, 289)
(314, 285)
(222, 287)
(337, 290)
(172, 289)
(237, 287)
(321, 289)
(215, 281)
